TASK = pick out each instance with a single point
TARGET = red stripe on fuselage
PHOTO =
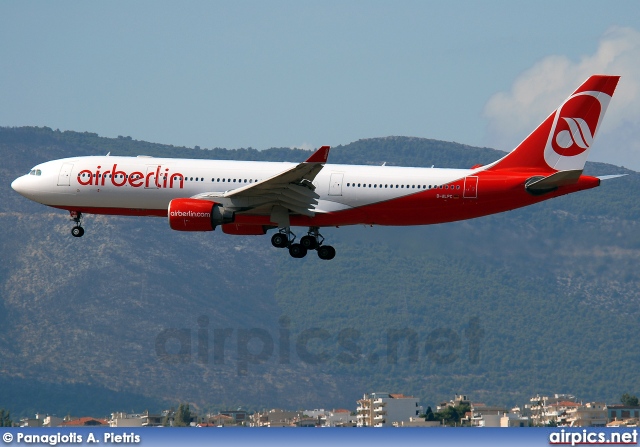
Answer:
(495, 193)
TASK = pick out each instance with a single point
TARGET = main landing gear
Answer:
(77, 231)
(312, 241)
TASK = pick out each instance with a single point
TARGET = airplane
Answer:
(251, 197)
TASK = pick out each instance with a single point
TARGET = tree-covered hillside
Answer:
(539, 300)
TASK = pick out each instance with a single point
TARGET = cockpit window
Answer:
(35, 172)
(38, 172)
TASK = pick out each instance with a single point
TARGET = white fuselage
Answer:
(147, 183)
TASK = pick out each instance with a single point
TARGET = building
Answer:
(383, 409)
(85, 422)
(619, 412)
(459, 399)
(52, 421)
(482, 415)
(551, 410)
(218, 420)
(154, 420)
(514, 418)
(238, 417)
(275, 418)
(591, 414)
(417, 422)
(227, 418)
(315, 413)
(146, 419)
(31, 422)
(338, 418)
(125, 420)
(306, 422)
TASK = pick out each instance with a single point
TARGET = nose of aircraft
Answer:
(18, 185)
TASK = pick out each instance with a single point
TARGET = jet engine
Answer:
(197, 215)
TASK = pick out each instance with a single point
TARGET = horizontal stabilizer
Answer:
(541, 185)
(609, 177)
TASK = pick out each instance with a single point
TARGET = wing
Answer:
(288, 191)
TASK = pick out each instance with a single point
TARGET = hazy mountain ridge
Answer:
(551, 286)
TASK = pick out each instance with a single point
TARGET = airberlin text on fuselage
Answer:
(153, 179)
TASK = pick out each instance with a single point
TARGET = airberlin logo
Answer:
(576, 125)
(160, 178)
(189, 214)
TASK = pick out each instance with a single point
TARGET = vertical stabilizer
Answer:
(562, 141)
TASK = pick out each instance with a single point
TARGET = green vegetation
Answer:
(5, 418)
(629, 400)
(538, 300)
(183, 416)
(429, 415)
(28, 397)
(451, 415)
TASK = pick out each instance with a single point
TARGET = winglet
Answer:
(319, 156)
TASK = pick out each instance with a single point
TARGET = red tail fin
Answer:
(563, 140)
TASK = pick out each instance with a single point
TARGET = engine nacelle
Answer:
(197, 215)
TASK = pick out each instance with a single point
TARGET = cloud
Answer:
(539, 90)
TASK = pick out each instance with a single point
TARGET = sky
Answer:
(307, 73)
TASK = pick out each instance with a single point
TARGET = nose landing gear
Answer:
(77, 231)
(312, 241)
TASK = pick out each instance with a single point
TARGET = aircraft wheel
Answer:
(279, 240)
(309, 242)
(77, 231)
(297, 251)
(326, 252)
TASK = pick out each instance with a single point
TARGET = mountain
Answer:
(135, 316)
